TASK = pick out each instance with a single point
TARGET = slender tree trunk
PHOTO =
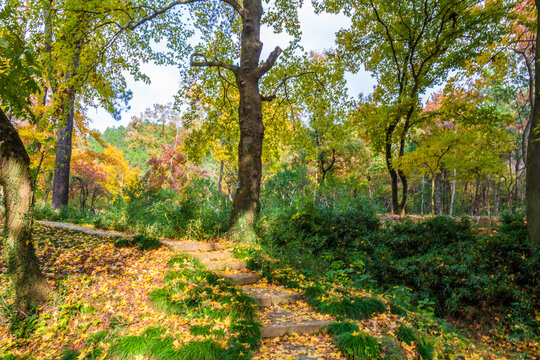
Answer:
(453, 196)
(220, 182)
(476, 195)
(533, 155)
(438, 194)
(391, 171)
(31, 287)
(433, 194)
(422, 205)
(496, 198)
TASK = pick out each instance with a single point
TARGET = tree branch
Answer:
(282, 83)
(267, 65)
(156, 13)
(235, 5)
(210, 63)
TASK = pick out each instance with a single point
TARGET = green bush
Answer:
(140, 241)
(406, 334)
(357, 346)
(443, 260)
(338, 328)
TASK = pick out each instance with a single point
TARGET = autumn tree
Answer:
(410, 46)
(85, 48)
(17, 67)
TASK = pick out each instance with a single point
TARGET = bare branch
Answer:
(211, 63)
(267, 65)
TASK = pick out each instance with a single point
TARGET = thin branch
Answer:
(158, 12)
(267, 65)
(210, 63)
(283, 82)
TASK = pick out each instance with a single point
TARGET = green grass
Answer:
(140, 241)
(338, 328)
(426, 349)
(406, 334)
(358, 346)
(179, 296)
(200, 350)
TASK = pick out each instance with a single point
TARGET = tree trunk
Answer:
(438, 194)
(422, 204)
(392, 171)
(246, 204)
(60, 197)
(31, 287)
(533, 155)
(496, 197)
(64, 138)
(433, 194)
(453, 196)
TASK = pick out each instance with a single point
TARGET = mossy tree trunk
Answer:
(31, 287)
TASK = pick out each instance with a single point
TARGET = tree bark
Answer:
(533, 155)
(438, 194)
(246, 203)
(31, 287)
(64, 136)
(391, 171)
(60, 193)
(453, 196)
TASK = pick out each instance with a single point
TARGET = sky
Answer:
(318, 34)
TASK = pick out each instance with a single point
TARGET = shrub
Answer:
(357, 346)
(140, 241)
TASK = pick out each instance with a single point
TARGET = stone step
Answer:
(212, 255)
(266, 298)
(222, 265)
(243, 278)
(301, 328)
(189, 246)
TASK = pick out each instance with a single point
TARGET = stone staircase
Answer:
(282, 311)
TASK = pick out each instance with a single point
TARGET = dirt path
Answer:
(84, 229)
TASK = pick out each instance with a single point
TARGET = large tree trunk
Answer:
(246, 204)
(64, 138)
(31, 287)
(533, 155)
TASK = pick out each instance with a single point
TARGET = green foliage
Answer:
(140, 241)
(450, 267)
(152, 343)
(199, 212)
(201, 350)
(406, 334)
(426, 349)
(18, 66)
(351, 307)
(68, 213)
(188, 291)
(338, 328)
(358, 346)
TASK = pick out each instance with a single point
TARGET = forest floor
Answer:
(102, 293)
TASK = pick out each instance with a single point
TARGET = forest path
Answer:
(85, 229)
(291, 329)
